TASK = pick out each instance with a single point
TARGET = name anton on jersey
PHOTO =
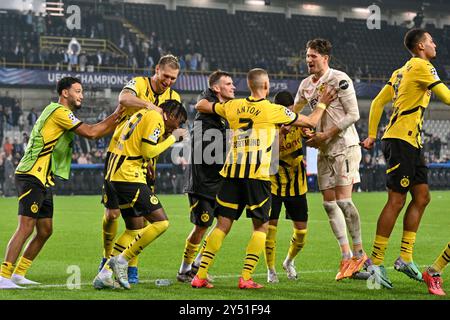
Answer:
(248, 109)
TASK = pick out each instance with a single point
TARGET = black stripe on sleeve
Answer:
(76, 126)
(149, 142)
(296, 117)
(433, 84)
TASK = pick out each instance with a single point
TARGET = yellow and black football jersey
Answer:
(253, 124)
(143, 88)
(290, 179)
(411, 85)
(139, 142)
(60, 121)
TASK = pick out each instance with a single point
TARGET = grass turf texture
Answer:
(76, 240)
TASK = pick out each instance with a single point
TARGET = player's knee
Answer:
(422, 200)
(112, 214)
(45, 232)
(397, 202)
(330, 207)
(162, 225)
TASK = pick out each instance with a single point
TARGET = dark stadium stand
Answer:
(231, 42)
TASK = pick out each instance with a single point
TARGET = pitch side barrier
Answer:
(87, 179)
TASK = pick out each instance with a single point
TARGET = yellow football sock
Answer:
(190, 249)
(443, 259)
(133, 233)
(297, 243)
(254, 248)
(270, 249)
(6, 270)
(215, 240)
(23, 266)
(406, 249)
(144, 238)
(379, 247)
(109, 233)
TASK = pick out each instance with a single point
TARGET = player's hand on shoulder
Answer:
(151, 106)
(367, 143)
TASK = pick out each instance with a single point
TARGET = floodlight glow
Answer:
(361, 10)
(255, 2)
(312, 7)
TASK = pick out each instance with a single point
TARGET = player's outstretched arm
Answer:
(204, 106)
(376, 110)
(128, 99)
(151, 150)
(442, 92)
(103, 128)
(311, 121)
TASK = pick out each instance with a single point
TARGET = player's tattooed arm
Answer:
(128, 99)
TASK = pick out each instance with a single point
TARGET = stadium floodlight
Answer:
(255, 2)
(361, 10)
(312, 7)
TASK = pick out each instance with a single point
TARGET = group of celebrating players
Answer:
(263, 169)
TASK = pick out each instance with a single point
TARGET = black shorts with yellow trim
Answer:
(201, 210)
(109, 197)
(35, 200)
(405, 165)
(296, 207)
(235, 195)
(135, 199)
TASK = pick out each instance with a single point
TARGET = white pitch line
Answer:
(224, 276)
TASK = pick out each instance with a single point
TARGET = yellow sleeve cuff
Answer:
(321, 105)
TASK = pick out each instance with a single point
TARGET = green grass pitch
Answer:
(76, 241)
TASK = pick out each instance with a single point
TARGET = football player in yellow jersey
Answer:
(288, 186)
(409, 89)
(48, 153)
(138, 93)
(140, 142)
(246, 171)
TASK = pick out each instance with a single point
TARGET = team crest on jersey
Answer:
(72, 118)
(154, 200)
(105, 198)
(34, 207)
(155, 135)
(404, 182)
(434, 73)
(204, 217)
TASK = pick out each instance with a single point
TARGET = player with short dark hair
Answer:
(203, 178)
(138, 93)
(140, 141)
(246, 183)
(409, 89)
(48, 154)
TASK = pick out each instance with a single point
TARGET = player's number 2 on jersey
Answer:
(249, 123)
